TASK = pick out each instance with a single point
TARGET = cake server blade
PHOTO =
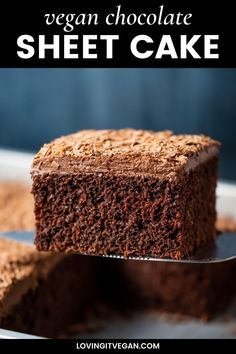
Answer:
(223, 249)
(5, 334)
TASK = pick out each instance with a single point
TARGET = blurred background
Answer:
(37, 105)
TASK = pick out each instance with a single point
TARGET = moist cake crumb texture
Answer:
(127, 192)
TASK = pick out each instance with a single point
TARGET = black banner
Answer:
(155, 33)
(150, 345)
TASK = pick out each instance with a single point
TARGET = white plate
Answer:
(15, 165)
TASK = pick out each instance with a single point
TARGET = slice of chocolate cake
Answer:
(126, 192)
(43, 294)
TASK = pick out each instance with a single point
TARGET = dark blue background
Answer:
(37, 105)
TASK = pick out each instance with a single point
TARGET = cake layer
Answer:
(43, 294)
(131, 193)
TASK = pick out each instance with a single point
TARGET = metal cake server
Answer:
(223, 249)
(5, 334)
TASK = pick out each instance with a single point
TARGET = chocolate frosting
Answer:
(125, 151)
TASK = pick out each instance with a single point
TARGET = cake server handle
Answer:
(223, 249)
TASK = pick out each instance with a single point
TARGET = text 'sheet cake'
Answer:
(126, 192)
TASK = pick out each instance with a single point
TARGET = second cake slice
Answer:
(126, 192)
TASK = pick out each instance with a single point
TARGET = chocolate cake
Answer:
(126, 192)
(42, 293)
